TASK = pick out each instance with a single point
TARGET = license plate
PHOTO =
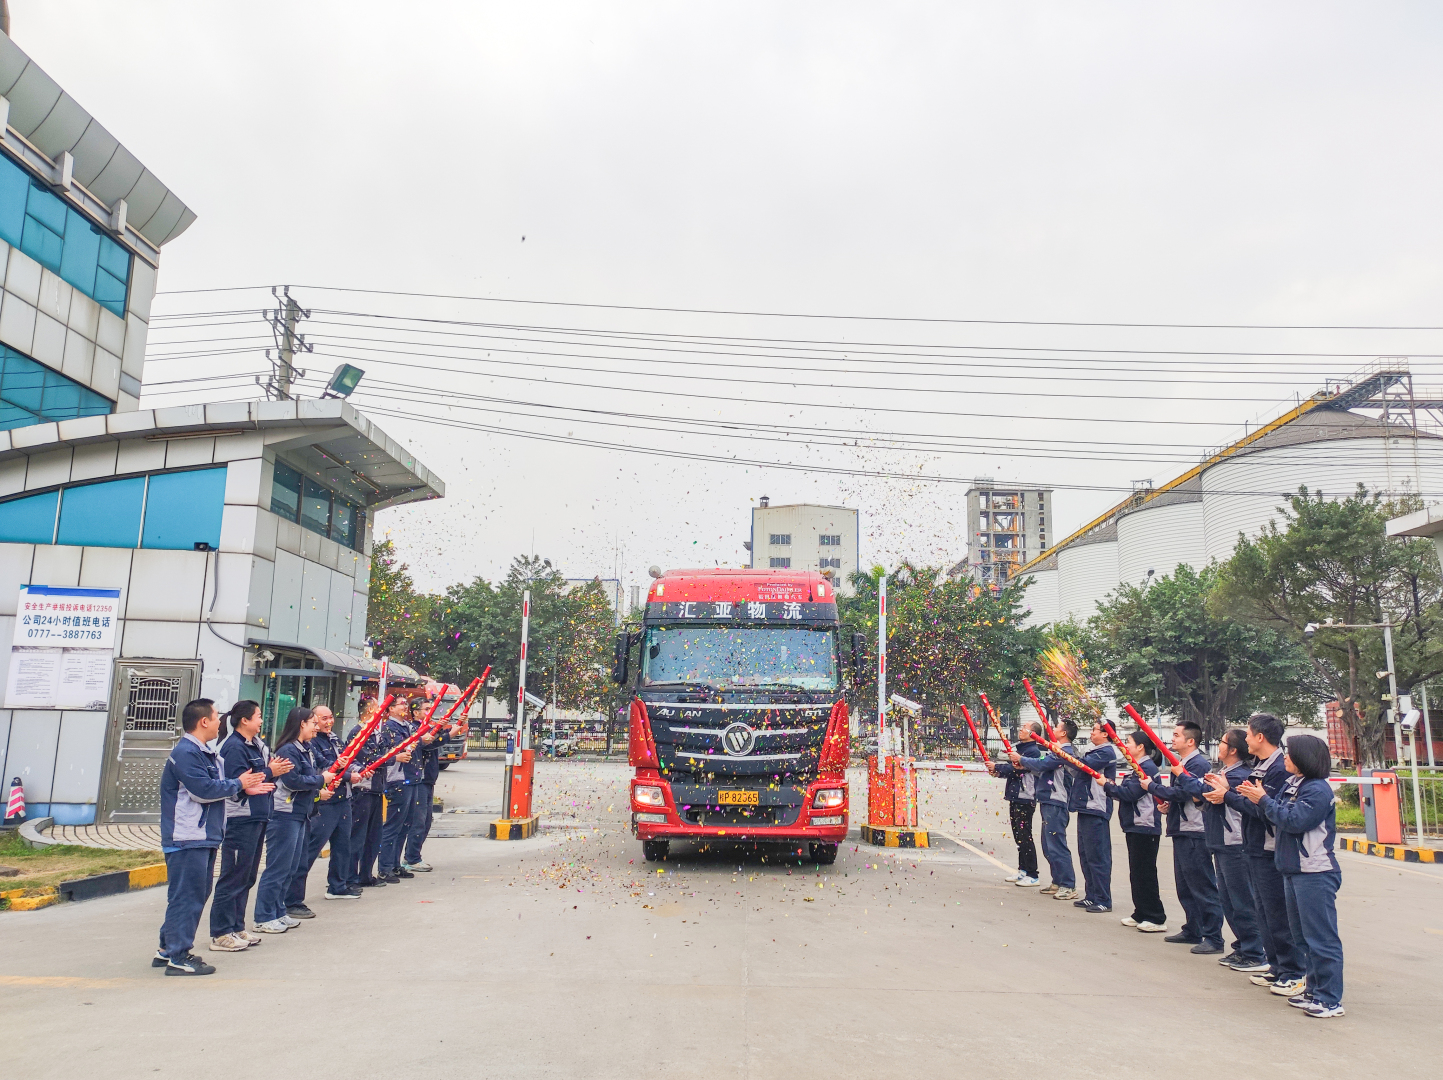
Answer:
(738, 798)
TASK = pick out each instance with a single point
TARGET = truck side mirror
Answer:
(620, 657)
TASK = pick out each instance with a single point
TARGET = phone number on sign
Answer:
(66, 635)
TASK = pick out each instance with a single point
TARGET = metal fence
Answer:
(1430, 800)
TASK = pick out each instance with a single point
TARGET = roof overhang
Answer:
(50, 123)
(343, 662)
(328, 437)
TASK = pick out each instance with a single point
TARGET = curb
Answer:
(894, 836)
(86, 888)
(30, 832)
(515, 828)
(1401, 852)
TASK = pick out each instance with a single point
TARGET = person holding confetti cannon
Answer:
(1192, 867)
(403, 778)
(368, 802)
(1137, 812)
(1054, 788)
(1224, 833)
(1092, 805)
(1021, 796)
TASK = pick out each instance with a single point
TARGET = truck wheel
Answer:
(655, 850)
(826, 854)
(445, 765)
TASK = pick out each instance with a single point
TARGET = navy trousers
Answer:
(420, 821)
(1313, 916)
(1054, 845)
(1142, 875)
(1094, 851)
(240, 865)
(285, 844)
(1236, 895)
(1270, 898)
(331, 823)
(1197, 889)
(188, 876)
(367, 813)
(400, 807)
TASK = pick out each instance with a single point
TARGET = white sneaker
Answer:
(1288, 987)
(228, 943)
(1027, 882)
(275, 926)
(1013, 876)
(1129, 921)
(249, 937)
(289, 921)
(421, 867)
(1152, 927)
(1065, 894)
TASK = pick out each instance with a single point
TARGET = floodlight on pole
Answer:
(343, 381)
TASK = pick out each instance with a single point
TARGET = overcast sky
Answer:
(1102, 162)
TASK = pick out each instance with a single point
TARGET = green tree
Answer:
(1333, 560)
(1174, 644)
(397, 616)
(946, 640)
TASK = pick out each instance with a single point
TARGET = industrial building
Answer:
(1007, 527)
(1370, 431)
(151, 556)
(804, 536)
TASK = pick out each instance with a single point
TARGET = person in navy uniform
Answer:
(1192, 866)
(1224, 832)
(368, 798)
(1137, 813)
(403, 776)
(1092, 806)
(1021, 796)
(1054, 790)
(330, 823)
(286, 833)
(193, 790)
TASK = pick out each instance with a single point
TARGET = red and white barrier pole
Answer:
(519, 739)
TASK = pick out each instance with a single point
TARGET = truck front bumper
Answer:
(700, 819)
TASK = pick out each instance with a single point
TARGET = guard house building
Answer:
(148, 557)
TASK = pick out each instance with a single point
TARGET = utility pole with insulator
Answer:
(283, 320)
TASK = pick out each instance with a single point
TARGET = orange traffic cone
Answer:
(15, 808)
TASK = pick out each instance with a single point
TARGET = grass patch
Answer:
(41, 867)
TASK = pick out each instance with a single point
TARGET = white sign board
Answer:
(61, 654)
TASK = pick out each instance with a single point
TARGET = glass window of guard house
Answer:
(32, 393)
(344, 519)
(44, 236)
(286, 492)
(102, 515)
(14, 190)
(30, 520)
(316, 507)
(183, 509)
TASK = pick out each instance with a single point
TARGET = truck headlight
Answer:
(828, 798)
(648, 796)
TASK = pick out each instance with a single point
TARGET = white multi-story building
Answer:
(804, 536)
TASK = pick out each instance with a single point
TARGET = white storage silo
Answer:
(1160, 534)
(1087, 572)
(1329, 451)
(1041, 596)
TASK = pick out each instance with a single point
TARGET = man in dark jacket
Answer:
(1021, 796)
(330, 822)
(1054, 791)
(1092, 805)
(192, 824)
(1192, 866)
(403, 776)
(367, 807)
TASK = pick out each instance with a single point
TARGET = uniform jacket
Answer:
(1304, 817)
(400, 773)
(1183, 795)
(296, 790)
(325, 749)
(192, 791)
(1258, 835)
(240, 755)
(1021, 784)
(1088, 796)
(1223, 824)
(1054, 782)
(371, 749)
(1136, 809)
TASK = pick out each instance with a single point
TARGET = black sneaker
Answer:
(188, 964)
(354, 890)
(390, 879)
(1183, 939)
(300, 911)
(159, 959)
(403, 872)
(1205, 948)
(1230, 959)
(1092, 907)
(376, 884)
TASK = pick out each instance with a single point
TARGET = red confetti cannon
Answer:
(1041, 712)
(982, 749)
(1126, 750)
(348, 755)
(426, 727)
(1172, 758)
(1065, 756)
(992, 715)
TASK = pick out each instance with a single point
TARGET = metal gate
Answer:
(145, 709)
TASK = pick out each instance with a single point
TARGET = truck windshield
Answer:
(726, 657)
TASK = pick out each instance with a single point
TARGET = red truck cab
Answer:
(738, 724)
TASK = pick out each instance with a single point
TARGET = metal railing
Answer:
(1430, 800)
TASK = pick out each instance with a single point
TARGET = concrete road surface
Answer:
(569, 956)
